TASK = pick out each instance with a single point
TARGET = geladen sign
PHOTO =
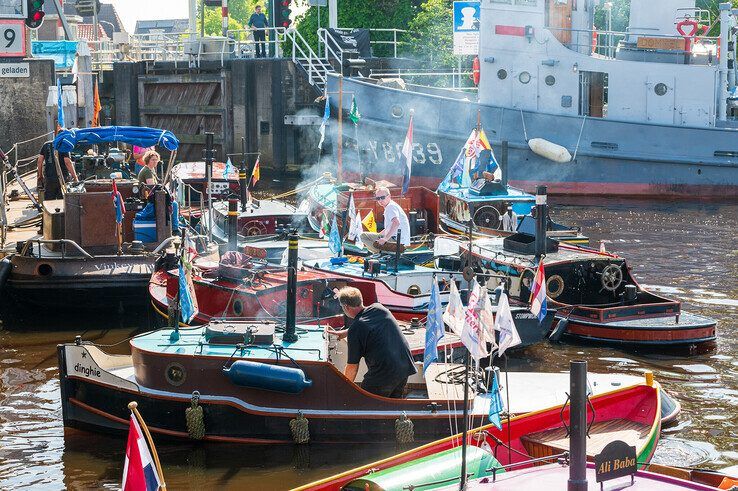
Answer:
(14, 70)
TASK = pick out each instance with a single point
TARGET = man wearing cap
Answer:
(395, 220)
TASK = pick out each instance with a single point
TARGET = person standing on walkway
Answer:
(48, 177)
(258, 22)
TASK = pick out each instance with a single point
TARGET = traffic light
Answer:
(35, 16)
(283, 13)
(86, 8)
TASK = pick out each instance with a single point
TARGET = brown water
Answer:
(686, 250)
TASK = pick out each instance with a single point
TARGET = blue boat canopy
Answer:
(140, 136)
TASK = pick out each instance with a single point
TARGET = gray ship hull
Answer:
(610, 157)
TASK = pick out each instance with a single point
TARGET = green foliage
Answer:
(214, 22)
(431, 34)
(380, 14)
(239, 12)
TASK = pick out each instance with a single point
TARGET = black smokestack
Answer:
(541, 214)
(578, 425)
(289, 332)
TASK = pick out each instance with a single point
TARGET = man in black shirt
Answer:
(258, 22)
(375, 336)
(48, 178)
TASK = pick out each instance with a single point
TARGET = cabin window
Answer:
(550, 80)
(593, 94)
(527, 3)
(502, 74)
(508, 2)
(524, 77)
(397, 111)
(660, 88)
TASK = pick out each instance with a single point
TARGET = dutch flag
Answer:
(538, 294)
(139, 473)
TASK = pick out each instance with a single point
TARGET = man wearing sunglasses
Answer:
(395, 220)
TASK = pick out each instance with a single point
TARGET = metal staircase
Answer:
(317, 68)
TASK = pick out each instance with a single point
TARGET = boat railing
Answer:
(494, 470)
(605, 43)
(61, 242)
(442, 80)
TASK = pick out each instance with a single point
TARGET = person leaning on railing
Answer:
(48, 178)
(258, 22)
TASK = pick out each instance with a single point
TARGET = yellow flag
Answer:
(369, 222)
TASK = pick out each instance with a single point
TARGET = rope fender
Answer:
(404, 429)
(195, 418)
(300, 429)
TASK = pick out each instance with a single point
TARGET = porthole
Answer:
(414, 290)
(524, 77)
(175, 374)
(45, 269)
(550, 80)
(397, 111)
(502, 74)
(238, 307)
(660, 88)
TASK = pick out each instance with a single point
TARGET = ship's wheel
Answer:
(612, 277)
(253, 227)
(487, 217)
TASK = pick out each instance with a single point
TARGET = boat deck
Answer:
(555, 441)
(21, 216)
(310, 346)
(494, 246)
(686, 321)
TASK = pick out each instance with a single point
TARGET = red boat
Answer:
(630, 414)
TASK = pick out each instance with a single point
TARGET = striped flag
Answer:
(139, 472)
(407, 152)
(538, 304)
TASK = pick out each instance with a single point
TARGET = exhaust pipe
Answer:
(290, 336)
(578, 425)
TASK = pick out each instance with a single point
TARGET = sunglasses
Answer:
(380, 198)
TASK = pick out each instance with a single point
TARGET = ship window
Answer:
(550, 80)
(660, 88)
(529, 3)
(524, 77)
(175, 374)
(502, 74)
(397, 111)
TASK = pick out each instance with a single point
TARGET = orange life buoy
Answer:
(475, 70)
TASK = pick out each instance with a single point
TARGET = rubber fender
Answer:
(266, 376)
(559, 330)
(5, 269)
(549, 150)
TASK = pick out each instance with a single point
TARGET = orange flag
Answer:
(96, 108)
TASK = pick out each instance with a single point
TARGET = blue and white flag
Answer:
(453, 174)
(495, 402)
(433, 327)
(187, 300)
(326, 118)
(60, 104)
(334, 238)
(229, 169)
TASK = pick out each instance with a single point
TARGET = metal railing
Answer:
(454, 79)
(604, 44)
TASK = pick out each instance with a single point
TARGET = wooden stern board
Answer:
(550, 442)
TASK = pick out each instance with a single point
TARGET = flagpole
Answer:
(465, 425)
(133, 406)
(507, 395)
(340, 128)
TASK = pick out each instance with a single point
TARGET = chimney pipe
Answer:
(243, 184)
(578, 426)
(232, 224)
(289, 332)
(541, 214)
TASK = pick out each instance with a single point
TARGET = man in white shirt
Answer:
(395, 220)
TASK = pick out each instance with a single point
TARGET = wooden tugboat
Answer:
(84, 261)
(597, 298)
(630, 414)
(297, 391)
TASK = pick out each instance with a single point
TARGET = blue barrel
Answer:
(268, 377)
